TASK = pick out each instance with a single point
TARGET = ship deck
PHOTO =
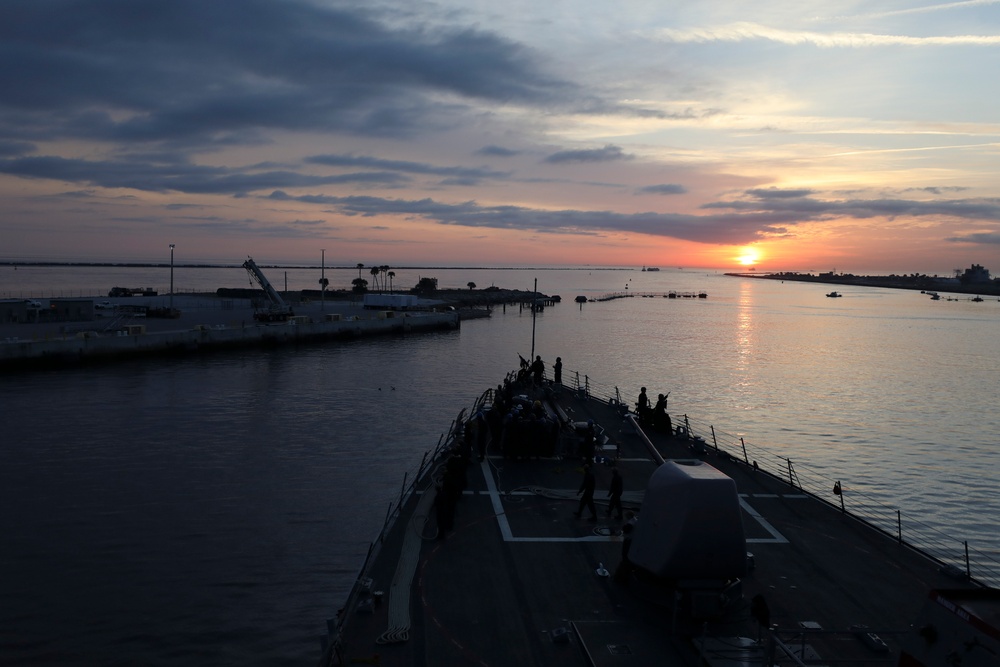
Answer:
(516, 581)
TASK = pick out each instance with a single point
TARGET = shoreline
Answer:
(913, 283)
(273, 265)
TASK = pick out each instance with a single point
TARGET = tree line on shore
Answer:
(974, 280)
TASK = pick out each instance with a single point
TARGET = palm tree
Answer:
(374, 271)
(360, 266)
(392, 274)
(472, 285)
(384, 269)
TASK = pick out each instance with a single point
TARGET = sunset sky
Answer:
(847, 136)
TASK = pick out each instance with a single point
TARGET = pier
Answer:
(205, 324)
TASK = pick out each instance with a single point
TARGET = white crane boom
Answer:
(279, 310)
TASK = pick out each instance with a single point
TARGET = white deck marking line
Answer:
(776, 537)
(495, 500)
(508, 536)
(576, 462)
(587, 538)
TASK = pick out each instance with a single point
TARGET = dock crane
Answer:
(278, 310)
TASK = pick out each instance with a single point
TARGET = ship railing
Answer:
(585, 387)
(957, 557)
(408, 487)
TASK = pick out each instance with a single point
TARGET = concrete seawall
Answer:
(90, 346)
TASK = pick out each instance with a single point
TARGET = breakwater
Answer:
(673, 294)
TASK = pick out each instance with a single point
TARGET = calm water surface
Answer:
(215, 510)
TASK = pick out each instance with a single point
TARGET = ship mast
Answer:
(534, 312)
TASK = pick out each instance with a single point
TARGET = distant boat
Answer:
(934, 296)
(652, 268)
(978, 298)
(835, 294)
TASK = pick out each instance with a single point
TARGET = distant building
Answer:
(391, 301)
(57, 310)
(974, 275)
(16, 310)
(69, 310)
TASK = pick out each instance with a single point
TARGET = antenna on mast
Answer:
(534, 309)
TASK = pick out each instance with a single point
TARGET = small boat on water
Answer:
(498, 551)
(835, 294)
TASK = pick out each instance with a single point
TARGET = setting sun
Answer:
(748, 257)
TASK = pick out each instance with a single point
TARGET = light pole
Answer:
(322, 280)
(171, 276)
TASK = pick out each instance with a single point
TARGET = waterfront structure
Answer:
(74, 332)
